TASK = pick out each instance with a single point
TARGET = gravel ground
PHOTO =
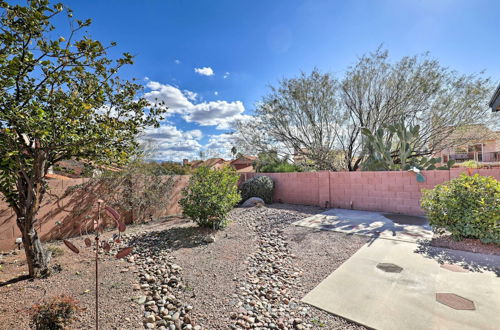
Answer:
(76, 279)
(250, 275)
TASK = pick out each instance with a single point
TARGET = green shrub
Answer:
(269, 162)
(210, 195)
(57, 251)
(54, 314)
(467, 207)
(282, 167)
(259, 186)
(470, 164)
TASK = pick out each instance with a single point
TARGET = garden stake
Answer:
(97, 266)
(98, 228)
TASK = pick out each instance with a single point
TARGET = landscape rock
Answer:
(253, 201)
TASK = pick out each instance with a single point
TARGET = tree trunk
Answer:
(37, 257)
(32, 189)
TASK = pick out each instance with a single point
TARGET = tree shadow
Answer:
(170, 239)
(306, 209)
(474, 262)
(15, 280)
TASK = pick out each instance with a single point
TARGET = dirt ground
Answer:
(210, 271)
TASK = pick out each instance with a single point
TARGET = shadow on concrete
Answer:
(474, 262)
(403, 219)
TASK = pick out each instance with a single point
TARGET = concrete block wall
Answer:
(72, 210)
(396, 192)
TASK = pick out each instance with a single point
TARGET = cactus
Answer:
(393, 148)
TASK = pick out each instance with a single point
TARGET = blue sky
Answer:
(241, 47)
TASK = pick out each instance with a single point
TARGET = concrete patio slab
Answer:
(368, 289)
(374, 224)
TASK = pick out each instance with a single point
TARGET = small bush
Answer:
(470, 164)
(54, 314)
(280, 168)
(259, 186)
(467, 207)
(56, 250)
(210, 195)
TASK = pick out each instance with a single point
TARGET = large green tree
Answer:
(60, 97)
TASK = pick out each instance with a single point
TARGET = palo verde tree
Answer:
(320, 117)
(60, 97)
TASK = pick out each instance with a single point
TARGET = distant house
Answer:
(486, 150)
(210, 163)
(243, 164)
(495, 100)
(215, 163)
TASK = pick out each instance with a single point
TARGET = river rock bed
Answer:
(251, 275)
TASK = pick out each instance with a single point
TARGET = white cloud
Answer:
(192, 96)
(177, 61)
(170, 143)
(173, 98)
(226, 75)
(205, 71)
(221, 145)
(216, 93)
(221, 114)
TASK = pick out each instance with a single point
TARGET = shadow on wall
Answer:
(72, 213)
(76, 210)
(69, 208)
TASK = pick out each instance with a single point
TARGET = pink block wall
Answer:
(70, 210)
(396, 192)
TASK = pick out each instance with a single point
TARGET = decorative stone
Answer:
(209, 239)
(455, 301)
(253, 201)
(141, 300)
(389, 268)
(454, 268)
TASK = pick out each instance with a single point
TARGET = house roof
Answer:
(474, 133)
(495, 100)
(248, 169)
(208, 163)
(195, 163)
(213, 161)
(244, 159)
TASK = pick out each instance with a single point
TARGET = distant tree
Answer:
(59, 98)
(139, 188)
(317, 115)
(269, 162)
(234, 151)
(299, 117)
(175, 168)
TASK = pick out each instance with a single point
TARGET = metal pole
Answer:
(97, 284)
(97, 266)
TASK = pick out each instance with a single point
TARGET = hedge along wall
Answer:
(72, 209)
(397, 192)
